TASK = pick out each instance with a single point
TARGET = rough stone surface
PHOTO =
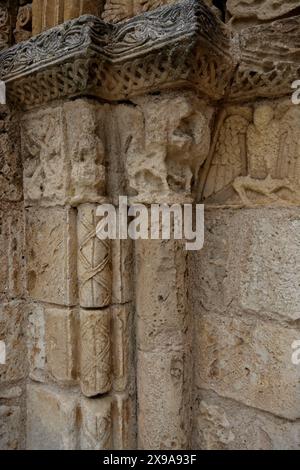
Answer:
(13, 333)
(11, 251)
(51, 255)
(51, 419)
(226, 425)
(10, 428)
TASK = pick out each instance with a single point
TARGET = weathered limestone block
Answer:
(165, 153)
(23, 30)
(223, 424)
(256, 157)
(60, 344)
(94, 261)
(95, 352)
(10, 428)
(12, 332)
(11, 251)
(51, 255)
(51, 419)
(96, 431)
(123, 346)
(249, 263)
(163, 345)
(85, 137)
(5, 25)
(260, 9)
(45, 164)
(10, 161)
(249, 360)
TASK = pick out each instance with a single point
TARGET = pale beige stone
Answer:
(123, 347)
(51, 419)
(163, 160)
(249, 360)
(255, 157)
(51, 255)
(95, 352)
(96, 430)
(10, 428)
(226, 425)
(60, 344)
(46, 168)
(36, 343)
(94, 261)
(124, 419)
(12, 332)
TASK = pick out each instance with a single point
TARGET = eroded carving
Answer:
(257, 157)
(165, 165)
(95, 352)
(96, 432)
(23, 30)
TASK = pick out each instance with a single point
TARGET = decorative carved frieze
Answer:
(269, 60)
(179, 45)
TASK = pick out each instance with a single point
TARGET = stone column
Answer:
(160, 160)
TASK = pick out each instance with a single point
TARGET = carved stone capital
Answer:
(181, 45)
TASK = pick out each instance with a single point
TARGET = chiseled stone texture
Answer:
(244, 297)
(222, 424)
(13, 333)
(63, 154)
(11, 251)
(51, 419)
(10, 162)
(261, 9)
(96, 430)
(249, 360)
(51, 255)
(60, 339)
(249, 262)
(10, 428)
(36, 343)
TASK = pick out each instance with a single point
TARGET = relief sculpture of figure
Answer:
(255, 159)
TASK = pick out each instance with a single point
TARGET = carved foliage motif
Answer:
(119, 10)
(257, 157)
